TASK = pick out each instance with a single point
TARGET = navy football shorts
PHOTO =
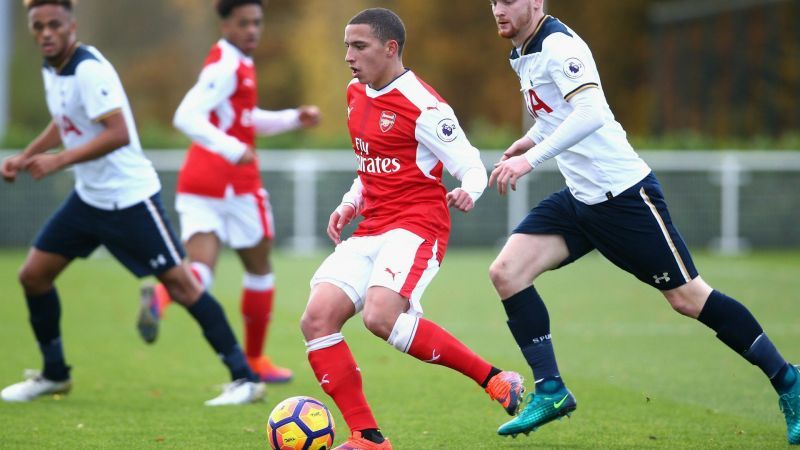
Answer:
(633, 230)
(140, 236)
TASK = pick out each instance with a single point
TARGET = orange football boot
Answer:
(506, 387)
(356, 442)
(268, 372)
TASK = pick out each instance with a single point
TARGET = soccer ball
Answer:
(300, 423)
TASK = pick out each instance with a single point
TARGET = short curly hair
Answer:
(225, 7)
(66, 4)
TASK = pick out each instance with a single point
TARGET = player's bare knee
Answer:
(378, 323)
(682, 304)
(33, 281)
(309, 325)
(507, 279)
(499, 273)
(314, 324)
(182, 292)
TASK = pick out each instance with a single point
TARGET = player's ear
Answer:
(391, 47)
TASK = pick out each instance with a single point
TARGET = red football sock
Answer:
(256, 312)
(340, 377)
(432, 344)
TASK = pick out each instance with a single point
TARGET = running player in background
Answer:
(403, 134)
(116, 203)
(220, 196)
(613, 202)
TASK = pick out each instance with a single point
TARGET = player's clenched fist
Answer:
(10, 167)
(309, 115)
(459, 199)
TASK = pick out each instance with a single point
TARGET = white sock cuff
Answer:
(206, 275)
(253, 282)
(403, 332)
(324, 342)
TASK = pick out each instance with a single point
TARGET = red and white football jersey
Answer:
(217, 115)
(403, 135)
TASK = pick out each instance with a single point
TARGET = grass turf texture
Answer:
(644, 376)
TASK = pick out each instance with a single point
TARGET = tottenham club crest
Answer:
(447, 130)
(386, 121)
(573, 68)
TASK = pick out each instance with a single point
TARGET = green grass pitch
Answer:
(644, 376)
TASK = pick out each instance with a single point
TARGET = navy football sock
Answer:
(784, 379)
(529, 323)
(209, 314)
(739, 330)
(44, 315)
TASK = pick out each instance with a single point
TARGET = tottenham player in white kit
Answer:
(115, 203)
(612, 203)
(220, 195)
(403, 134)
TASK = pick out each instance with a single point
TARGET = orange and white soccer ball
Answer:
(300, 423)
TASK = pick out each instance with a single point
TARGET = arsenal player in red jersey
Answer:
(220, 196)
(403, 134)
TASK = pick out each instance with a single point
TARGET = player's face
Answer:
(53, 28)
(369, 59)
(243, 27)
(515, 18)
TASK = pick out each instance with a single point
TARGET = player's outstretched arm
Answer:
(310, 115)
(519, 147)
(49, 138)
(586, 118)
(114, 135)
(268, 123)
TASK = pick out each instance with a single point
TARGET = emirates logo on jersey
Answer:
(376, 165)
(386, 121)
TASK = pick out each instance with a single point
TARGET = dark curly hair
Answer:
(225, 7)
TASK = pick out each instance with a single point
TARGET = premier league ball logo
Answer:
(573, 68)
(447, 130)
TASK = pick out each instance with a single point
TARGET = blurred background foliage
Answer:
(700, 74)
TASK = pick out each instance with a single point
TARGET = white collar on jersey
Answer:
(224, 43)
(372, 93)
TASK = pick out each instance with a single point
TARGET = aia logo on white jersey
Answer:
(386, 122)
(68, 127)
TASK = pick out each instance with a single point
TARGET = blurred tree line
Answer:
(158, 47)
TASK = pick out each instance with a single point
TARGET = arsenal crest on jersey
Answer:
(386, 121)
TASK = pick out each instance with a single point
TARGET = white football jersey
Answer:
(79, 94)
(554, 64)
